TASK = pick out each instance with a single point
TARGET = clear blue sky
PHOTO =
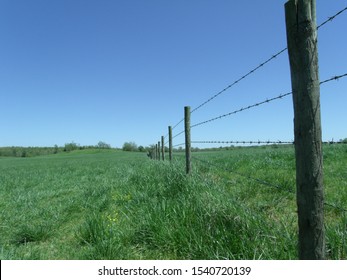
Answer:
(122, 70)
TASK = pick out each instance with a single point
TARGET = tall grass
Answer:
(196, 218)
(118, 205)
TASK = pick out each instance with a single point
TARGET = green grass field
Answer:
(103, 204)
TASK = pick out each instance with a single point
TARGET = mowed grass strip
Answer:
(118, 205)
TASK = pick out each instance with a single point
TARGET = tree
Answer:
(103, 145)
(56, 149)
(141, 149)
(129, 146)
(71, 147)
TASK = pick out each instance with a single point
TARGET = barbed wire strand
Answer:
(243, 109)
(242, 142)
(335, 78)
(263, 102)
(178, 134)
(263, 182)
(240, 79)
(331, 142)
(181, 121)
(331, 18)
(278, 142)
(177, 145)
(335, 207)
(260, 181)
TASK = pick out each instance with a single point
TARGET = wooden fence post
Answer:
(156, 152)
(162, 148)
(303, 58)
(170, 143)
(151, 153)
(187, 138)
(159, 150)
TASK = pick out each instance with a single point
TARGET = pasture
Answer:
(104, 204)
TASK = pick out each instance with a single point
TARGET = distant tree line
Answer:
(73, 146)
(27, 151)
(41, 151)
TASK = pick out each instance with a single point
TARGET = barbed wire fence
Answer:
(159, 150)
(252, 71)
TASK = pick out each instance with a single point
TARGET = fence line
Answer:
(330, 19)
(306, 93)
(261, 65)
(334, 78)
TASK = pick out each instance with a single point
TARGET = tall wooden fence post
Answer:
(162, 148)
(303, 58)
(170, 143)
(159, 150)
(187, 138)
(156, 152)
